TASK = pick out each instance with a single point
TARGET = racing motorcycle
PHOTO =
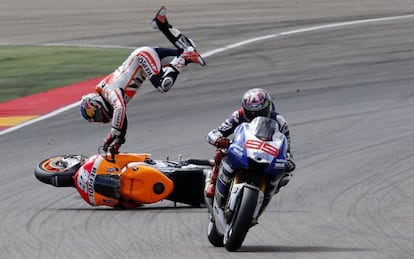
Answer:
(250, 173)
(126, 180)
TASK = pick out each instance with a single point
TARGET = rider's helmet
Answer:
(256, 102)
(94, 109)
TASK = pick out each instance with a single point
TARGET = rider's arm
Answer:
(115, 98)
(284, 129)
(226, 128)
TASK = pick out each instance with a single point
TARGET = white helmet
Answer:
(256, 102)
(94, 109)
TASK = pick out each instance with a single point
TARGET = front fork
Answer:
(229, 191)
(234, 201)
(227, 181)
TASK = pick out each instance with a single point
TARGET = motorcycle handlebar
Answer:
(112, 151)
(204, 162)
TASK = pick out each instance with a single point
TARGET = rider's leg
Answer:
(166, 78)
(272, 189)
(168, 52)
(174, 35)
(224, 180)
(210, 187)
(178, 39)
(181, 58)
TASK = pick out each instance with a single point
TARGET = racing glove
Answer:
(114, 136)
(115, 148)
(222, 143)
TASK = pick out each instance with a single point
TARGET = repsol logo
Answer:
(91, 181)
(149, 67)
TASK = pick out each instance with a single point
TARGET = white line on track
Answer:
(215, 51)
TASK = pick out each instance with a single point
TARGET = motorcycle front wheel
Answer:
(215, 238)
(59, 170)
(242, 220)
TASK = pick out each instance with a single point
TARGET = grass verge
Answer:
(25, 70)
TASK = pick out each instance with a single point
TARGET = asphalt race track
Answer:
(347, 92)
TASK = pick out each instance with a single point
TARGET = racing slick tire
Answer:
(59, 170)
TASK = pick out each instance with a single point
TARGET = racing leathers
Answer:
(118, 88)
(237, 117)
(218, 137)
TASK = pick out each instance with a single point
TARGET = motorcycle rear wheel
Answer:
(242, 220)
(59, 170)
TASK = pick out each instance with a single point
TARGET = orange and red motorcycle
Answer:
(127, 180)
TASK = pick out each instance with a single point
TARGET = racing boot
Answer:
(210, 188)
(190, 55)
(187, 57)
(160, 19)
(285, 180)
(174, 35)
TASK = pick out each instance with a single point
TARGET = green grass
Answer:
(25, 70)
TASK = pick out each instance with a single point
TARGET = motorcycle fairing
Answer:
(98, 178)
(143, 183)
(95, 167)
(257, 145)
(97, 182)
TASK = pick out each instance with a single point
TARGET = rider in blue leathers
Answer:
(255, 102)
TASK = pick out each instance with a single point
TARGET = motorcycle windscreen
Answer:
(260, 146)
(263, 128)
(249, 143)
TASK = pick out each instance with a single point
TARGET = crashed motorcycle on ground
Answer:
(126, 180)
(249, 175)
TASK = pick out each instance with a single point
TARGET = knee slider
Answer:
(170, 74)
(167, 83)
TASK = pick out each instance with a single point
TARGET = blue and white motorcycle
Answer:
(249, 175)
